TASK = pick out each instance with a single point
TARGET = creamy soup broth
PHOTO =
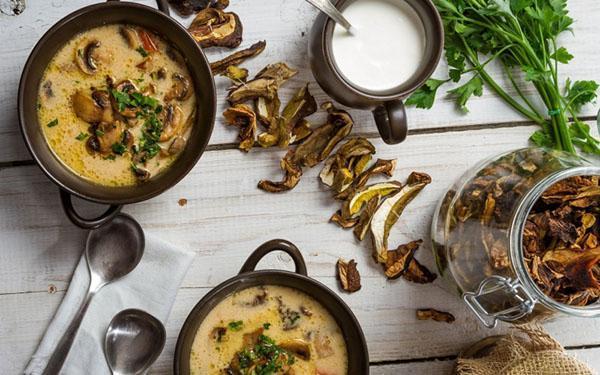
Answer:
(83, 133)
(288, 317)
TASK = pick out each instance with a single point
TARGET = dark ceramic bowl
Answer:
(358, 356)
(71, 184)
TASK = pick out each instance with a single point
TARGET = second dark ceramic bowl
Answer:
(358, 356)
(114, 12)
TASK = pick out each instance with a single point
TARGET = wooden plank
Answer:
(227, 217)
(286, 32)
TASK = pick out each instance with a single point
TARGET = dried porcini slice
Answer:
(390, 210)
(356, 203)
(213, 27)
(364, 222)
(381, 166)
(236, 74)
(343, 222)
(348, 275)
(188, 7)
(418, 273)
(238, 57)
(314, 149)
(349, 161)
(258, 87)
(560, 241)
(433, 314)
(242, 116)
(398, 260)
(301, 105)
(292, 176)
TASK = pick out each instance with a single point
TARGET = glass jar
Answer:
(477, 234)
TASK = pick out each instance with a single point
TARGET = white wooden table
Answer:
(226, 216)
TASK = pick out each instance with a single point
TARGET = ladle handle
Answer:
(61, 351)
(67, 203)
(391, 121)
(163, 6)
(275, 245)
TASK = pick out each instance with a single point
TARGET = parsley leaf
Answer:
(562, 55)
(52, 123)
(425, 95)
(463, 93)
(235, 325)
(82, 136)
(142, 51)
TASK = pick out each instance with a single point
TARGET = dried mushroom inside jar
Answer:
(560, 241)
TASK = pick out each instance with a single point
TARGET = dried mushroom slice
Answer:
(345, 163)
(343, 222)
(292, 176)
(418, 273)
(560, 240)
(242, 116)
(398, 260)
(220, 67)
(314, 149)
(381, 166)
(301, 105)
(236, 74)
(433, 314)
(390, 210)
(214, 28)
(348, 275)
(258, 87)
(280, 72)
(361, 197)
(364, 222)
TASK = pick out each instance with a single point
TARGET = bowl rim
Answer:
(209, 91)
(221, 291)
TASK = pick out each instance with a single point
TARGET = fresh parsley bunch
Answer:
(520, 35)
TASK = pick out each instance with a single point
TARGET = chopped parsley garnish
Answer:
(52, 123)
(142, 51)
(82, 136)
(266, 357)
(119, 148)
(267, 325)
(235, 325)
(99, 133)
(110, 157)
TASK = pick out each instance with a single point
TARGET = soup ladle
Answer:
(111, 252)
(133, 341)
(329, 9)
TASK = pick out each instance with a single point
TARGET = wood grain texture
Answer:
(285, 25)
(226, 217)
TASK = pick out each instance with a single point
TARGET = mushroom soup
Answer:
(269, 330)
(116, 105)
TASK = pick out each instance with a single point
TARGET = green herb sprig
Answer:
(521, 36)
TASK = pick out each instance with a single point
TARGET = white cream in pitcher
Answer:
(386, 47)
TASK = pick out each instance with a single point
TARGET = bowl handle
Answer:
(275, 245)
(390, 118)
(67, 203)
(163, 6)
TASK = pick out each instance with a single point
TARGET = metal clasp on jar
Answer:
(523, 300)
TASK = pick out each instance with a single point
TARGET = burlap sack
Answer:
(528, 351)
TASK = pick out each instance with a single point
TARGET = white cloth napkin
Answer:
(151, 286)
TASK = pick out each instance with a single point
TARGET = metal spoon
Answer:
(111, 252)
(329, 9)
(133, 342)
